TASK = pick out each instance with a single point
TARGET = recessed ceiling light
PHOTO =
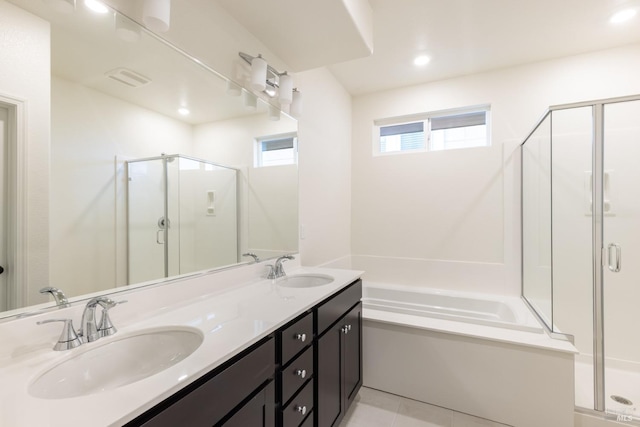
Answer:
(421, 60)
(623, 16)
(96, 6)
(183, 111)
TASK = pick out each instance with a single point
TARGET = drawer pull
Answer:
(301, 409)
(345, 329)
(302, 373)
(301, 337)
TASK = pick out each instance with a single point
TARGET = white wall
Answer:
(24, 75)
(452, 214)
(88, 192)
(268, 197)
(325, 168)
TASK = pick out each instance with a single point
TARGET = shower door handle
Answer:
(617, 264)
(158, 234)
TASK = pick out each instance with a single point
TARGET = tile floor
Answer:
(373, 408)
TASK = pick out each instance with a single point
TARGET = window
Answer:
(276, 151)
(463, 128)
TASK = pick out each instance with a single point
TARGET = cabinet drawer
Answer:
(296, 374)
(337, 306)
(296, 337)
(213, 399)
(299, 407)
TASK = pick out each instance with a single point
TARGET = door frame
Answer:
(17, 251)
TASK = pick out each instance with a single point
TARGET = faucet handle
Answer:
(68, 338)
(272, 272)
(105, 327)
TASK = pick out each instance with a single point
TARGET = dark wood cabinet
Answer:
(339, 357)
(259, 411)
(306, 374)
(211, 399)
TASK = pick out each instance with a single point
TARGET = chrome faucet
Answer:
(254, 256)
(277, 270)
(57, 294)
(90, 330)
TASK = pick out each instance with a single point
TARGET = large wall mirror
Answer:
(151, 166)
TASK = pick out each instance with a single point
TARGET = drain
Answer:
(622, 400)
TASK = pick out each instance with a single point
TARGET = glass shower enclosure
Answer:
(580, 214)
(181, 216)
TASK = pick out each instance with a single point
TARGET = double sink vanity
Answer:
(226, 348)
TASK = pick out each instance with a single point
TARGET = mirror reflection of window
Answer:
(276, 151)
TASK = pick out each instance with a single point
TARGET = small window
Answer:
(463, 128)
(404, 137)
(276, 151)
(458, 131)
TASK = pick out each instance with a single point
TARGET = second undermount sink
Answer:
(117, 363)
(305, 280)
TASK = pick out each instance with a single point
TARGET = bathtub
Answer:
(468, 352)
(502, 312)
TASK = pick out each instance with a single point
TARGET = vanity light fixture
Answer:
(258, 73)
(96, 6)
(62, 6)
(183, 111)
(264, 78)
(156, 15)
(286, 89)
(623, 16)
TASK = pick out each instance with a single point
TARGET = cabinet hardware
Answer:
(345, 329)
(301, 409)
(301, 337)
(302, 373)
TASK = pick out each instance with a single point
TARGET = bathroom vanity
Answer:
(272, 353)
(309, 369)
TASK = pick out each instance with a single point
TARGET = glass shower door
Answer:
(621, 258)
(146, 213)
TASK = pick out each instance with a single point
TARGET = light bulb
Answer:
(286, 89)
(258, 74)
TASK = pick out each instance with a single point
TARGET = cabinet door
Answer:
(328, 377)
(352, 357)
(258, 412)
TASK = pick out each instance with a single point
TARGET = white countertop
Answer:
(231, 316)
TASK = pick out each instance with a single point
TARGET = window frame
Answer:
(426, 118)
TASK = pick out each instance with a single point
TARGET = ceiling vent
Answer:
(128, 77)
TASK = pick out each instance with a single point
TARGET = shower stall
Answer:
(581, 244)
(181, 216)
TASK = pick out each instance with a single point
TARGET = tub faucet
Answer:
(59, 297)
(277, 270)
(90, 330)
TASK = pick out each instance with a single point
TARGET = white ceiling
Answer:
(299, 32)
(471, 36)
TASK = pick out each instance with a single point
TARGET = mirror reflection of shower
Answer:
(182, 216)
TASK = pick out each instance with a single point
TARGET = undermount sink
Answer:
(305, 280)
(117, 363)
